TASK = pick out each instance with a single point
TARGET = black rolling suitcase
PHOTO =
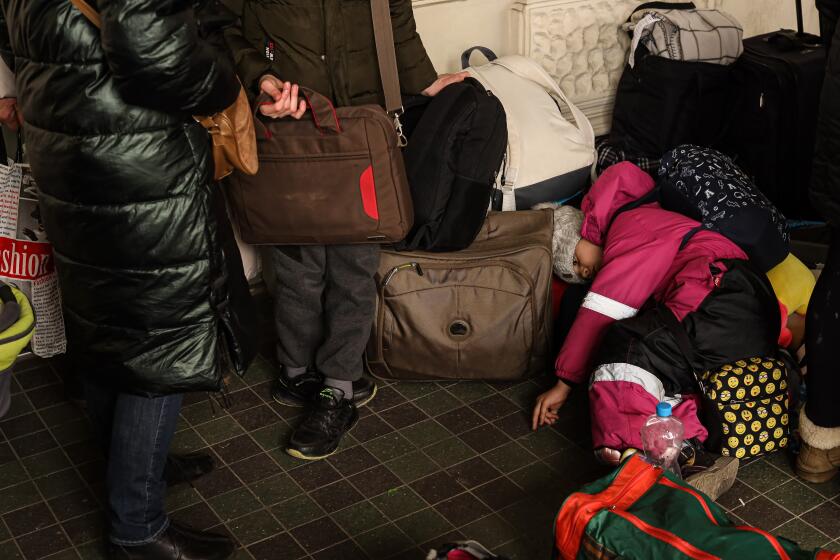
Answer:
(780, 78)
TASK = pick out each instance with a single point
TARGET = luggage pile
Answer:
(468, 294)
(691, 80)
(468, 285)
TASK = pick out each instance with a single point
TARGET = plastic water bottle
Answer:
(662, 438)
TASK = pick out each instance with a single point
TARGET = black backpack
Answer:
(707, 186)
(662, 103)
(454, 153)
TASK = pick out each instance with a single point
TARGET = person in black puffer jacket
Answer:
(819, 422)
(154, 295)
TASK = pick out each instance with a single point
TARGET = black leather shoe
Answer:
(319, 435)
(178, 542)
(304, 389)
(186, 468)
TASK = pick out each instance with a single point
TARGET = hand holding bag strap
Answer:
(320, 109)
(383, 33)
(88, 11)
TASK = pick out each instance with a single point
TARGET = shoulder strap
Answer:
(383, 33)
(652, 196)
(681, 338)
(465, 56)
(88, 12)
(533, 71)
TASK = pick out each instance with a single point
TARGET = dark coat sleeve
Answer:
(5, 44)
(825, 177)
(159, 61)
(251, 64)
(416, 69)
(829, 16)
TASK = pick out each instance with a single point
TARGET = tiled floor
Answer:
(428, 463)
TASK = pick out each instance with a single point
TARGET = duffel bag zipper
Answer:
(407, 266)
(641, 479)
(311, 157)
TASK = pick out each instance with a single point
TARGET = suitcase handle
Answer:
(319, 107)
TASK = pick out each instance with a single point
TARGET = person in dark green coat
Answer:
(325, 297)
(154, 295)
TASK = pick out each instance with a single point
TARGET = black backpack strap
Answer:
(465, 57)
(652, 196)
(681, 337)
(687, 237)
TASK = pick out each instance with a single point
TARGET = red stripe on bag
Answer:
(828, 555)
(667, 537)
(697, 496)
(367, 186)
(632, 482)
(773, 541)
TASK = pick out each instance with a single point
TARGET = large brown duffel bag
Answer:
(480, 313)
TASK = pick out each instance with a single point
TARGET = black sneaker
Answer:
(303, 389)
(363, 391)
(319, 435)
(298, 391)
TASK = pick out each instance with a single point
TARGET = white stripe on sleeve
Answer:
(608, 307)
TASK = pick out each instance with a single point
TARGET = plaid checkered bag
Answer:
(709, 36)
(609, 155)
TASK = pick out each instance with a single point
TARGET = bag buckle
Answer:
(402, 141)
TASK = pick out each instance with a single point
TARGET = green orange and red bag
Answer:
(639, 513)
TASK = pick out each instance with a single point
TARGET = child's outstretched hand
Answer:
(545, 411)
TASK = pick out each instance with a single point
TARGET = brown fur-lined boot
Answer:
(819, 458)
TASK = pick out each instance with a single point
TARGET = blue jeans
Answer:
(136, 433)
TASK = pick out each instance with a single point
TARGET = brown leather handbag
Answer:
(231, 130)
(334, 177)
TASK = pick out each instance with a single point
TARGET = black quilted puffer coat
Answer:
(825, 181)
(154, 294)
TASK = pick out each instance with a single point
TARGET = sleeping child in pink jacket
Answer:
(620, 344)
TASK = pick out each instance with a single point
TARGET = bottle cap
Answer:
(663, 410)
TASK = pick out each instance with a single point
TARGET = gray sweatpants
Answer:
(324, 304)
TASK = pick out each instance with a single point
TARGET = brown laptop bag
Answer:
(337, 175)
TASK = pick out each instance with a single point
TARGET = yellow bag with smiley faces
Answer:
(747, 408)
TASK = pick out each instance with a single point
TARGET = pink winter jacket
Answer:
(642, 259)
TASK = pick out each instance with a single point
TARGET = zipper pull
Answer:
(393, 272)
